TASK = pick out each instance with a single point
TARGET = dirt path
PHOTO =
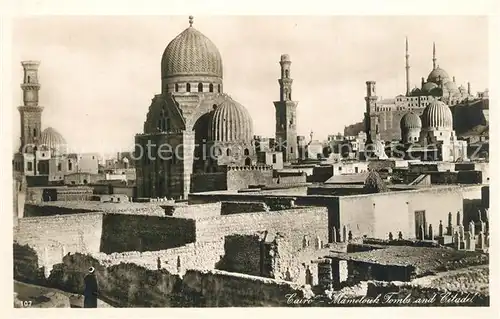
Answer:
(33, 296)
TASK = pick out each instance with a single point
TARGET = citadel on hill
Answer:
(205, 214)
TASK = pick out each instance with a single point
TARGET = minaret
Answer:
(433, 55)
(407, 69)
(371, 101)
(31, 112)
(286, 109)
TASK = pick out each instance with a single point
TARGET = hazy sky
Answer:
(99, 73)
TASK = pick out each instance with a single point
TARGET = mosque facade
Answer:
(195, 129)
(383, 116)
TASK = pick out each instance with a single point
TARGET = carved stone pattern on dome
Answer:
(191, 53)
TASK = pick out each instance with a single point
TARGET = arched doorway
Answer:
(201, 152)
(248, 161)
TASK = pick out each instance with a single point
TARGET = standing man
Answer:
(90, 292)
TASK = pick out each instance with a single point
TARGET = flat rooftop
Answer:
(426, 260)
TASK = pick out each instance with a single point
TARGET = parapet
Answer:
(250, 168)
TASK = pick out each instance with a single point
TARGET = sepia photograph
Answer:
(213, 161)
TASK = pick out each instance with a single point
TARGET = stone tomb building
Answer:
(200, 129)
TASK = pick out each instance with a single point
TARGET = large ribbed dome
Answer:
(437, 115)
(191, 53)
(438, 75)
(52, 139)
(231, 122)
(410, 121)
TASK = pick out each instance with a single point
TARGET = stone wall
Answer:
(145, 233)
(62, 208)
(54, 236)
(228, 208)
(175, 260)
(240, 179)
(204, 182)
(193, 211)
(31, 210)
(294, 224)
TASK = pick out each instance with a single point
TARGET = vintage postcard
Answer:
(214, 161)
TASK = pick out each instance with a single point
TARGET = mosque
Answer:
(383, 116)
(200, 135)
(43, 155)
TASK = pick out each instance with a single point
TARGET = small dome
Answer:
(451, 87)
(125, 160)
(191, 53)
(231, 122)
(429, 86)
(437, 115)
(410, 121)
(53, 140)
(438, 75)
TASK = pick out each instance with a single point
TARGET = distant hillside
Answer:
(470, 118)
(479, 130)
(354, 129)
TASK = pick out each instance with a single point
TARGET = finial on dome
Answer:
(191, 18)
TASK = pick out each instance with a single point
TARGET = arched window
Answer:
(34, 132)
(29, 79)
(246, 152)
(291, 149)
(218, 87)
(70, 166)
(289, 96)
(287, 73)
(200, 87)
(188, 87)
(248, 162)
(228, 152)
(211, 88)
(176, 87)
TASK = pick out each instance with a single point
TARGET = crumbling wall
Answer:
(242, 254)
(26, 267)
(131, 285)
(219, 288)
(174, 260)
(54, 236)
(122, 285)
(228, 208)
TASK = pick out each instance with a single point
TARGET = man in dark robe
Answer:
(90, 292)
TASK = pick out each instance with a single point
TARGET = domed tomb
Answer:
(410, 121)
(437, 115)
(231, 122)
(52, 140)
(410, 127)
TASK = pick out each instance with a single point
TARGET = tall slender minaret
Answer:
(407, 69)
(286, 109)
(433, 55)
(31, 112)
